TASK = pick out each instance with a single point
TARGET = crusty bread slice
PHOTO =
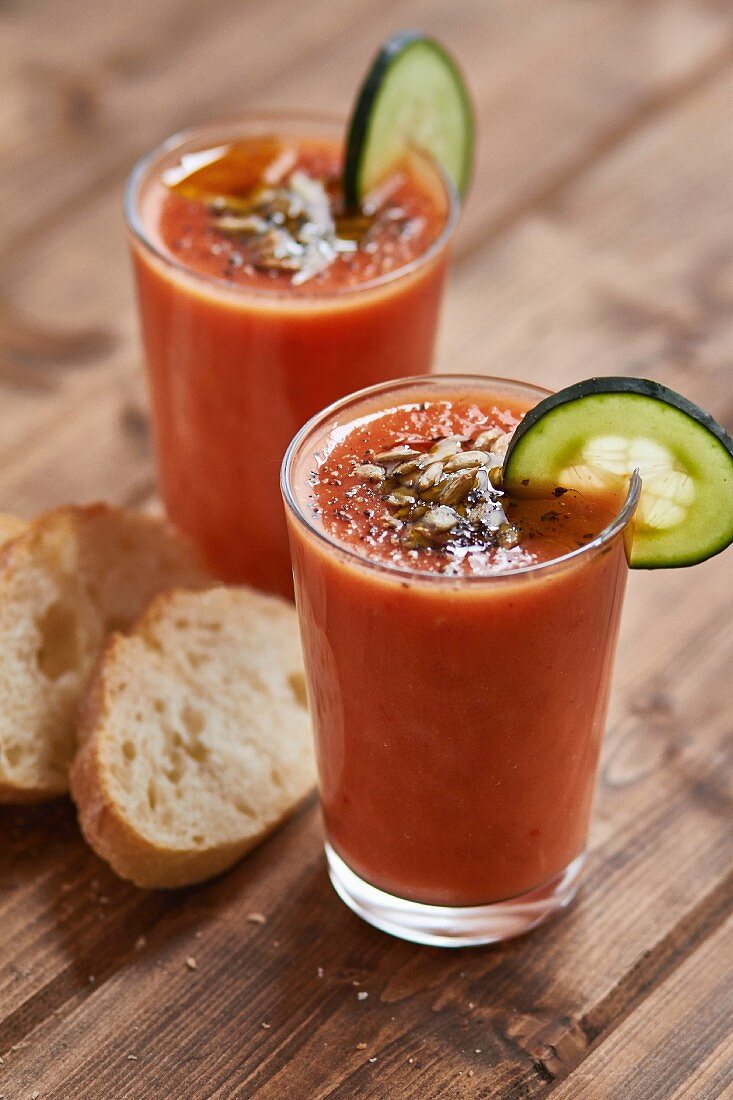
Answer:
(194, 736)
(67, 579)
(10, 526)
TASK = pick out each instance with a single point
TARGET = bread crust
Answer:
(27, 796)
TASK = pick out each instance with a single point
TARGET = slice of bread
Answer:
(194, 736)
(67, 579)
(10, 526)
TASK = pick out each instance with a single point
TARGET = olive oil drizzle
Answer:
(285, 220)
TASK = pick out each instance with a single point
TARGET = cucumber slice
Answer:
(591, 436)
(413, 95)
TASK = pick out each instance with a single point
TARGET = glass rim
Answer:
(179, 139)
(617, 525)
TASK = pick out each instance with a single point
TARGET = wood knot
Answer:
(648, 738)
(554, 1044)
(135, 424)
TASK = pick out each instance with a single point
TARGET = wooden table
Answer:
(598, 238)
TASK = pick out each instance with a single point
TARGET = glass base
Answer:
(453, 926)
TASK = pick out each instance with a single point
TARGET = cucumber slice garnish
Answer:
(593, 435)
(413, 95)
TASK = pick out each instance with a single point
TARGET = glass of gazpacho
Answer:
(263, 298)
(458, 647)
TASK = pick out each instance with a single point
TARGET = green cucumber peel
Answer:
(436, 114)
(589, 430)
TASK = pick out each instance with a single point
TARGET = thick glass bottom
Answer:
(453, 926)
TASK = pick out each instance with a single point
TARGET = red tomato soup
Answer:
(458, 645)
(262, 300)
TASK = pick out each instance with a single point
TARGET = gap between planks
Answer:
(653, 968)
(553, 1066)
(139, 913)
(326, 44)
(650, 108)
(694, 927)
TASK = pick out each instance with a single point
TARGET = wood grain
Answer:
(597, 240)
(677, 1043)
(535, 127)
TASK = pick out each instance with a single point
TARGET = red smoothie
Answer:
(458, 643)
(262, 300)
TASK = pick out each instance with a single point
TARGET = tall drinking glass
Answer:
(236, 367)
(458, 719)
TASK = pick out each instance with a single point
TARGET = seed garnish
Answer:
(463, 460)
(446, 498)
(396, 454)
(370, 472)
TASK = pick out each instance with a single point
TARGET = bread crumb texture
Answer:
(195, 738)
(67, 579)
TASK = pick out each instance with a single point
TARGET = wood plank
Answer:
(194, 61)
(677, 1044)
(57, 893)
(541, 127)
(511, 1016)
(670, 43)
(98, 450)
(205, 61)
(629, 268)
(583, 70)
(628, 271)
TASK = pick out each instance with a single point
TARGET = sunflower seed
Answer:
(445, 447)
(440, 519)
(430, 476)
(509, 536)
(405, 468)
(369, 472)
(489, 513)
(457, 488)
(437, 495)
(500, 445)
(249, 224)
(464, 460)
(396, 454)
(481, 481)
(401, 495)
(484, 439)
